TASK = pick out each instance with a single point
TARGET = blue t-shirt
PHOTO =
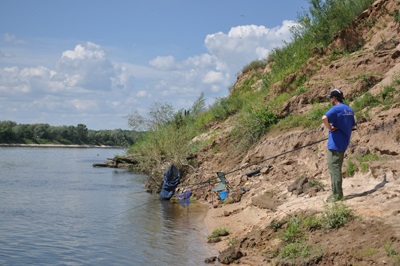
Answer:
(340, 116)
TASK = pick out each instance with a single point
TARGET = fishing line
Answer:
(275, 156)
(214, 180)
(208, 182)
(126, 211)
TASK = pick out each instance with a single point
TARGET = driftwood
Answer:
(116, 162)
(100, 165)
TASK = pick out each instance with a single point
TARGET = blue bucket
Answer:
(223, 194)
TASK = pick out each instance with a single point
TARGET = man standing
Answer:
(340, 121)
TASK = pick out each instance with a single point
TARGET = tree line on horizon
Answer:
(13, 133)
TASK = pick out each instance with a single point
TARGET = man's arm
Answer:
(327, 124)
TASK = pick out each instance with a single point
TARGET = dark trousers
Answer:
(335, 162)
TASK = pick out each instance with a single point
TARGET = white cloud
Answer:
(142, 94)
(86, 83)
(87, 66)
(163, 62)
(84, 105)
(37, 72)
(11, 38)
(12, 83)
(214, 71)
(213, 77)
(89, 52)
(174, 90)
(4, 54)
(243, 44)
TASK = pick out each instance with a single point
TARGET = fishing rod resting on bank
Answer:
(250, 174)
(270, 158)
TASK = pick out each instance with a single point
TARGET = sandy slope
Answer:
(373, 192)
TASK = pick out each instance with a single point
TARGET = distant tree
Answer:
(159, 114)
(82, 133)
(11, 132)
(40, 131)
(199, 105)
(137, 122)
(6, 131)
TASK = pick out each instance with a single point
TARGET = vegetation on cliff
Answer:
(257, 100)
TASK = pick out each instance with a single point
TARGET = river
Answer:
(56, 209)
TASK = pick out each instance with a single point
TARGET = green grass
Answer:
(356, 162)
(368, 157)
(351, 168)
(315, 183)
(386, 98)
(254, 65)
(218, 232)
(390, 250)
(336, 215)
(293, 231)
(367, 100)
(365, 252)
(251, 126)
(299, 254)
(310, 120)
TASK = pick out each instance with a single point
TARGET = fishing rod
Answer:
(215, 179)
(207, 182)
(270, 158)
(275, 156)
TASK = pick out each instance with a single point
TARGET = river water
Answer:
(56, 209)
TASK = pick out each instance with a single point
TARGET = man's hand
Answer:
(327, 124)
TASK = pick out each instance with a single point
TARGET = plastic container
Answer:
(223, 194)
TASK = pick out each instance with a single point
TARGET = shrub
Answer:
(219, 232)
(315, 183)
(295, 250)
(224, 107)
(336, 215)
(310, 120)
(368, 157)
(396, 16)
(299, 254)
(387, 92)
(255, 64)
(311, 223)
(276, 224)
(351, 168)
(390, 250)
(364, 167)
(252, 125)
(367, 100)
(292, 232)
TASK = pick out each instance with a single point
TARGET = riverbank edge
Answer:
(59, 146)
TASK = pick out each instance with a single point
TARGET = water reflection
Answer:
(56, 209)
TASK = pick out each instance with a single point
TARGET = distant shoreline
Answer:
(59, 146)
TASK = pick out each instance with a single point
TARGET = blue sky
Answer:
(95, 62)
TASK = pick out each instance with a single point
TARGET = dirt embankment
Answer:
(372, 192)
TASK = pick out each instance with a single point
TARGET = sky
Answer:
(95, 62)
